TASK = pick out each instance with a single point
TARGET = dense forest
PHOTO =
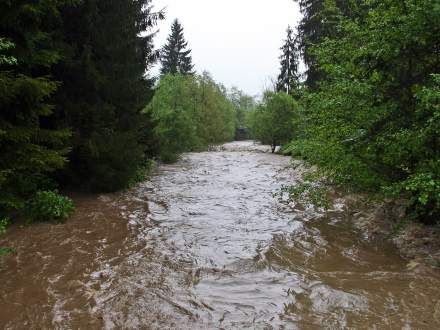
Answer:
(80, 109)
(137, 191)
(367, 108)
(73, 87)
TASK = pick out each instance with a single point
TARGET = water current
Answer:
(207, 244)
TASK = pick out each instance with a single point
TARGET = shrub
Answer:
(5, 251)
(143, 172)
(313, 191)
(4, 222)
(48, 206)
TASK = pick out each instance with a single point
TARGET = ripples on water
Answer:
(205, 245)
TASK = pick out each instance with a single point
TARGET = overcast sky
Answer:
(237, 41)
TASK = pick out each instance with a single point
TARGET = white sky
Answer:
(237, 41)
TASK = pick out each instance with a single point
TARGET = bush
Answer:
(5, 251)
(143, 173)
(313, 191)
(48, 206)
(4, 222)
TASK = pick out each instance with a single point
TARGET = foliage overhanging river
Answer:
(206, 245)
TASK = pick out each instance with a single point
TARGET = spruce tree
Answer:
(288, 79)
(320, 21)
(175, 57)
(109, 48)
(31, 146)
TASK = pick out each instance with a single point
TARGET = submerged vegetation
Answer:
(4, 222)
(7, 251)
(48, 206)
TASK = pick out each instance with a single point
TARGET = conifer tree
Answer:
(175, 57)
(320, 19)
(109, 49)
(288, 79)
(31, 146)
(311, 33)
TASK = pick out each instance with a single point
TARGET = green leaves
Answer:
(274, 121)
(48, 206)
(189, 113)
(371, 122)
(4, 46)
(4, 222)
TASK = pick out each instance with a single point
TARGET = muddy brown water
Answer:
(206, 245)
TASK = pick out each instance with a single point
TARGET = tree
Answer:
(216, 112)
(288, 79)
(320, 21)
(175, 58)
(243, 105)
(108, 49)
(372, 122)
(31, 146)
(172, 111)
(189, 112)
(273, 121)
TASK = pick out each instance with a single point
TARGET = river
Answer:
(205, 244)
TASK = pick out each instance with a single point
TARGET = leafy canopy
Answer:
(190, 113)
(371, 118)
(274, 119)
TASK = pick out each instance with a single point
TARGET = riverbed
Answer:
(207, 243)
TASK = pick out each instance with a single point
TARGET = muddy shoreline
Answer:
(386, 220)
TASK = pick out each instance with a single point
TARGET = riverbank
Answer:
(379, 219)
(418, 243)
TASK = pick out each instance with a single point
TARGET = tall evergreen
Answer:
(175, 56)
(72, 86)
(108, 50)
(320, 19)
(288, 79)
(31, 146)
(311, 33)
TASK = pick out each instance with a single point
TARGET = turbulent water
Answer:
(205, 244)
